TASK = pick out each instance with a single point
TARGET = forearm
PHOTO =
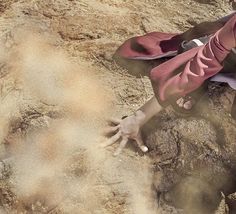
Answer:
(202, 29)
(148, 110)
(225, 19)
(206, 28)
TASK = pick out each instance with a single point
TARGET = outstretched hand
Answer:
(123, 130)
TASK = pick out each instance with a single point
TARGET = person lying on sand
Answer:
(194, 67)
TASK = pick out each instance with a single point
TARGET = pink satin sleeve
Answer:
(193, 66)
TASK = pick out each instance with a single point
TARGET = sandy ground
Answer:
(59, 168)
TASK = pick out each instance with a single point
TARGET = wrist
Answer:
(140, 117)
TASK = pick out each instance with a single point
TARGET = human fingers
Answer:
(110, 130)
(140, 143)
(114, 121)
(112, 140)
(181, 102)
(121, 146)
(178, 101)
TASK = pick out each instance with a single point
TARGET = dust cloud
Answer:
(61, 166)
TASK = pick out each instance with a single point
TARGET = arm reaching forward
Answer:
(196, 65)
(129, 127)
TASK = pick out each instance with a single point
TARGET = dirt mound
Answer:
(194, 167)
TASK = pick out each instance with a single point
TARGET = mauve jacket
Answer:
(185, 72)
(197, 65)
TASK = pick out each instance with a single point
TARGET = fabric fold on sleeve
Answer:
(186, 72)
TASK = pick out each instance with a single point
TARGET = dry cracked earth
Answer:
(58, 84)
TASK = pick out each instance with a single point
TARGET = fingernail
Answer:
(144, 148)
